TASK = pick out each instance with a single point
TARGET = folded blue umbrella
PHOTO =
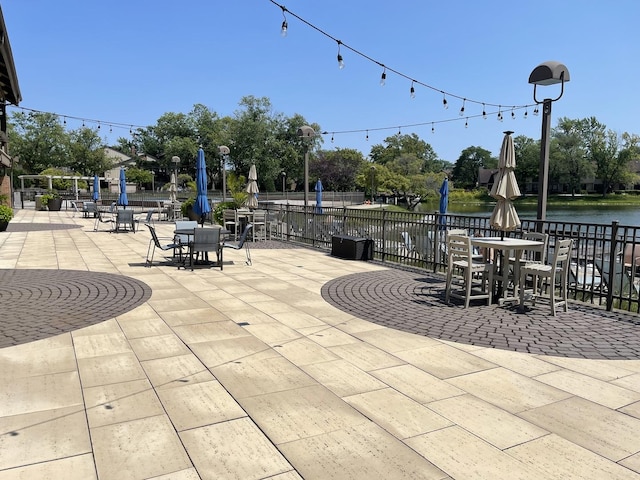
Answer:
(201, 206)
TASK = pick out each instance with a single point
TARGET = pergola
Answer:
(50, 178)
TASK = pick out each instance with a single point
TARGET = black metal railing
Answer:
(605, 259)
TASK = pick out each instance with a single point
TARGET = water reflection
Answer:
(605, 214)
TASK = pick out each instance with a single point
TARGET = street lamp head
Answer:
(549, 73)
(223, 150)
(175, 159)
(306, 131)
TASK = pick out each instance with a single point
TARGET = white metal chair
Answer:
(206, 240)
(472, 273)
(559, 266)
(230, 219)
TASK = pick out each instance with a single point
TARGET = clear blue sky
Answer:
(130, 61)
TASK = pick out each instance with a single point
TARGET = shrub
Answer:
(6, 213)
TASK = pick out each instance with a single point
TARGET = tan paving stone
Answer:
(43, 436)
(257, 376)
(606, 370)
(140, 448)
(46, 392)
(632, 462)
(176, 371)
(343, 378)
(327, 336)
(522, 363)
(394, 340)
(249, 315)
(80, 467)
(148, 327)
(630, 382)
(20, 362)
(339, 454)
(303, 351)
(121, 402)
(187, 474)
(205, 332)
(397, 413)
(443, 361)
(199, 404)
(273, 333)
(508, 390)
(590, 388)
(604, 431)
(233, 449)
(416, 384)
(159, 346)
(297, 320)
(366, 357)
(563, 460)
(480, 460)
(302, 412)
(219, 352)
(633, 410)
(490, 423)
(100, 344)
(191, 316)
(119, 368)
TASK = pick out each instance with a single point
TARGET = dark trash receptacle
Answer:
(352, 248)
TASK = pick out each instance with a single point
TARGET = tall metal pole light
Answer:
(306, 133)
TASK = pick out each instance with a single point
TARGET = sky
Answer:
(131, 61)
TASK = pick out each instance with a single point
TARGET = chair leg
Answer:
(468, 276)
(248, 252)
(153, 251)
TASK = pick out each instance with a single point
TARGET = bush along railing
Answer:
(605, 260)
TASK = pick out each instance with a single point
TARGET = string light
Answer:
(466, 123)
(525, 114)
(367, 138)
(484, 111)
(65, 121)
(412, 92)
(500, 113)
(513, 114)
(367, 57)
(462, 108)
(433, 128)
(383, 77)
(332, 138)
(535, 110)
(285, 26)
(340, 61)
(444, 101)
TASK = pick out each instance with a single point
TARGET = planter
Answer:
(54, 204)
(3, 225)
(192, 215)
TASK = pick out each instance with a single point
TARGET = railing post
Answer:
(384, 231)
(612, 259)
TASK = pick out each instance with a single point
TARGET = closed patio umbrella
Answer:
(96, 188)
(252, 188)
(444, 201)
(505, 189)
(201, 206)
(319, 196)
(122, 199)
(173, 188)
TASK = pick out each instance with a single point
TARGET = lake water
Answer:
(625, 215)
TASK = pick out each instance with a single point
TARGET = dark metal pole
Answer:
(543, 174)
(306, 176)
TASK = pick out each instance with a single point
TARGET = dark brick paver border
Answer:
(414, 302)
(39, 303)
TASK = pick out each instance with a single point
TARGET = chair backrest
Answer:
(149, 217)
(229, 214)
(154, 236)
(259, 216)
(459, 248)
(124, 216)
(185, 225)
(536, 253)
(206, 240)
(562, 253)
(245, 234)
(113, 207)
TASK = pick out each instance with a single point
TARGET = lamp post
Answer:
(224, 152)
(307, 133)
(153, 181)
(284, 178)
(547, 73)
(373, 173)
(176, 161)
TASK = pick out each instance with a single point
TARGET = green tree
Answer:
(336, 168)
(139, 176)
(39, 139)
(85, 152)
(569, 162)
(398, 145)
(527, 151)
(465, 171)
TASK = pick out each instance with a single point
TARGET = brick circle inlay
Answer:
(39, 303)
(414, 302)
(39, 227)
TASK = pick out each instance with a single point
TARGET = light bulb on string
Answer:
(340, 61)
(526, 112)
(283, 29)
(500, 112)
(131, 130)
(513, 114)
(484, 111)
(462, 108)
(444, 101)
(412, 92)
(383, 77)
(83, 123)
(399, 132)
(65, 121)
(110, 129)
(535, 110)
(466, 123)
(433, 129)
(367, 138)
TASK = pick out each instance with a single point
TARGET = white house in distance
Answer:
(120, 160)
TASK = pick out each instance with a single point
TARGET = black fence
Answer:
(605, 260)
